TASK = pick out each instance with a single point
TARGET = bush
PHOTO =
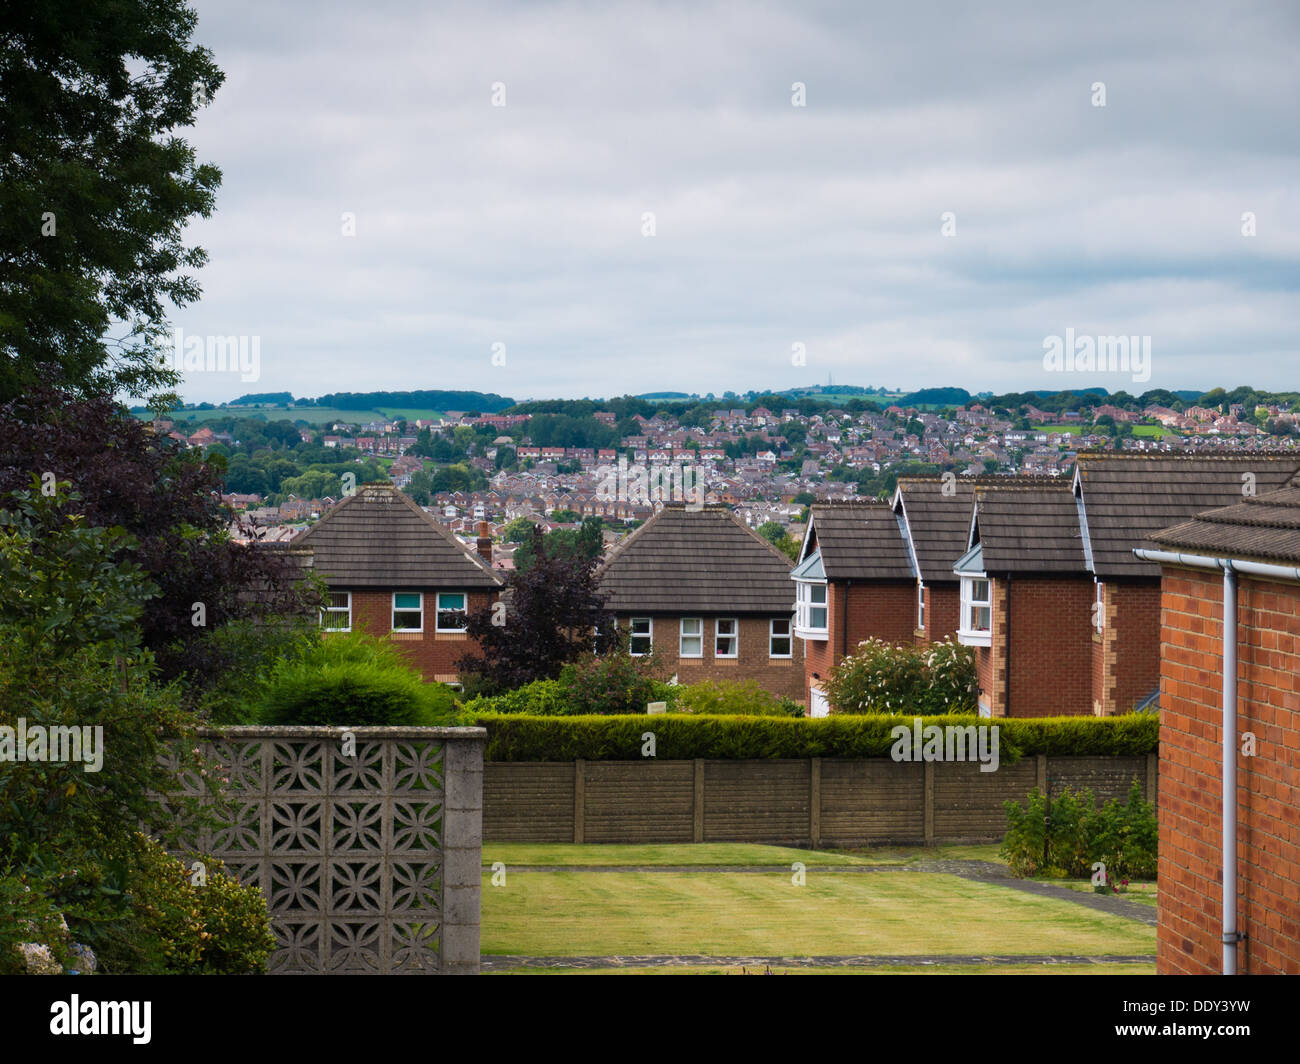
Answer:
(353, 679)
(177, 928)
(545, 698)
(880, 677)
(733, 698)
(611, 683)
(1079, 834)
(680, 736)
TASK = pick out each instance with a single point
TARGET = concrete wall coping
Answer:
(262, 731)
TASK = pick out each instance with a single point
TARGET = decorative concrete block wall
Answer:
(368, 850)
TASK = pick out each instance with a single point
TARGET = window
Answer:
(642, 641)
(778, 637)
(976, 612)
(1099, 610)
(452, 612)
(408, 611)
(692, 638)
(725, 643)
(812, 612)
(920, 606)
(336, 614)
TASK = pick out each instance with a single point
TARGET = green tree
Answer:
(520, 530)
(98, 189)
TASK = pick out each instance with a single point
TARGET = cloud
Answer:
(773, 224)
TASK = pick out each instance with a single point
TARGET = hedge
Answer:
(521, 737)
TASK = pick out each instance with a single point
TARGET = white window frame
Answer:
(1099, 610)
(338, 609)
(438, 611)
(407, 609)
(805, 605)
(920, 606)
(787, 635)
(683, 635)
(734, 636)
(648, 634)
(968, 634)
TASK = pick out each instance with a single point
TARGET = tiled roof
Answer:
(860, 541)
(1263, 528)
(380, 538)
(937, 512)
(696, 561)
(1029, 530)
(1127, 497)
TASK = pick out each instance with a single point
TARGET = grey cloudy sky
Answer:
(775, 225)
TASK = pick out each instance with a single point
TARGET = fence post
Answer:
(697, 807)
(1042, 773)
(579, 798)
(929, 803)
(815, 801)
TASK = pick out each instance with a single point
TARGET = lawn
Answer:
(1125, 968)
(731, 912)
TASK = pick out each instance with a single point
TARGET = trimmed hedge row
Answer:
(519, 737)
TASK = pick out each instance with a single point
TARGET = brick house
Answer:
(710, 597)
(1122, 498)
(855, 580)
(395, 572)
(935, 515)
(1026, 597)
(1229, 769)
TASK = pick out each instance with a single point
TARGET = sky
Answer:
(567, 200)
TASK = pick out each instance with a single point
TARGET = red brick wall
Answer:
(434, 653)
(858, 612)
(1268, 795)
(1132, 644)
(942, 611)
(781, 676)
(1050, 653)
(1045, 668)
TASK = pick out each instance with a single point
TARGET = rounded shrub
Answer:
(356, 680)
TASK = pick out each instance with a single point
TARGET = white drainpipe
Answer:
(1230, 567)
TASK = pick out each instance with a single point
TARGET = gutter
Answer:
(1231, 567)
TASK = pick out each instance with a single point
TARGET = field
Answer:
(728, 907)
(313, 415)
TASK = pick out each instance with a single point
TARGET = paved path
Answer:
(501, 963)
(989, 871)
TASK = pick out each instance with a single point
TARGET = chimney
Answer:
(484, 542)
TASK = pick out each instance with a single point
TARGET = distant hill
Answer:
(665, 395)
(937, 397)
(484, 402)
